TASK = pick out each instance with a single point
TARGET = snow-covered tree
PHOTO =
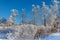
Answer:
(35, 11)
(3, 21)
(24, 17)
(34, 14)
(12, 16)
(53, 12)
(45, 13)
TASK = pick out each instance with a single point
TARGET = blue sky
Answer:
(7, 5)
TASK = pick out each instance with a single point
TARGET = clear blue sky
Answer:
(7, 5)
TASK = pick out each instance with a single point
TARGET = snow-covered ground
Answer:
(26, 32)
(22, 32)
(53, 36)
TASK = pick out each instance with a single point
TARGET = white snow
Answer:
(55, 34)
